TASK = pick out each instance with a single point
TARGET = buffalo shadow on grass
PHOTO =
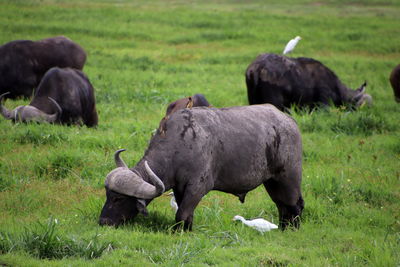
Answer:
(153, 222)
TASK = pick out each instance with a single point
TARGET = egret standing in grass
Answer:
(291, 45)
(173, 203)
(259, 224)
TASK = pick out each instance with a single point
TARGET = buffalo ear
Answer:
(170, 108)
(141, 206)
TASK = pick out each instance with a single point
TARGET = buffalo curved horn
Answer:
(118, 161)
(56, 104)
(363, 87)
(154, 178)
(53, 117)
(361, 97)
(124, 181)
(4, 111)
(134, 185)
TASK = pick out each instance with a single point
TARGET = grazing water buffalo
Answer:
(71, 93)
(233, 150)
(23, 62)
(395, 82)
(198, 100)
(284, 81)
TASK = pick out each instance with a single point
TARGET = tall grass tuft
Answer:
(36, 136)
(211, 215)
(332, 188)
(180, 253)
(4, 182)
(44, 242)
(6, 243)
(227, 238)
(59, 165)
(361, 122)
(90, 209)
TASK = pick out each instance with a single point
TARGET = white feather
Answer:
(172, 202)
(259, 224)
(291, 45)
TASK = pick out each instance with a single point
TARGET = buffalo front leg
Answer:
(187, 202)
(288, 199)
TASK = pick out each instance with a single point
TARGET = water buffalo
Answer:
(72, 94)
(198, 100)
(395, 82)
(305, 82)
(23, 62)
(233, 150)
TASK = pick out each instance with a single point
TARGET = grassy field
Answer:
(143, 55)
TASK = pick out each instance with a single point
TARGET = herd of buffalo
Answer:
(197, 148)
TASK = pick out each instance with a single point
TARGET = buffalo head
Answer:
(358, 97)
(29, 113)
(127, 192)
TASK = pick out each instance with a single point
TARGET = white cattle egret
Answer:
(259, 224)
(173, 203)
(291, 45)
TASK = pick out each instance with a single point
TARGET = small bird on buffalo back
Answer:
(259, 224)
(291, 45)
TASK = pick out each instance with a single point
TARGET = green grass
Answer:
(45, 243)
(143, 55)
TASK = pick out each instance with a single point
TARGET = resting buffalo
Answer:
(72, 94)
(233, 150)
(395, 82)
(284, 81)
(23, 62)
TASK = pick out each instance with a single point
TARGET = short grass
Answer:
(143, 55)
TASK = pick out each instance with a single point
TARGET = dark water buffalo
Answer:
(284, 81)
(233, 150)
(71, 93)
(23, 62)
(395, 82)
(198, 100)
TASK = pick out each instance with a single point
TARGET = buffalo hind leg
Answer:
(288, 199)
